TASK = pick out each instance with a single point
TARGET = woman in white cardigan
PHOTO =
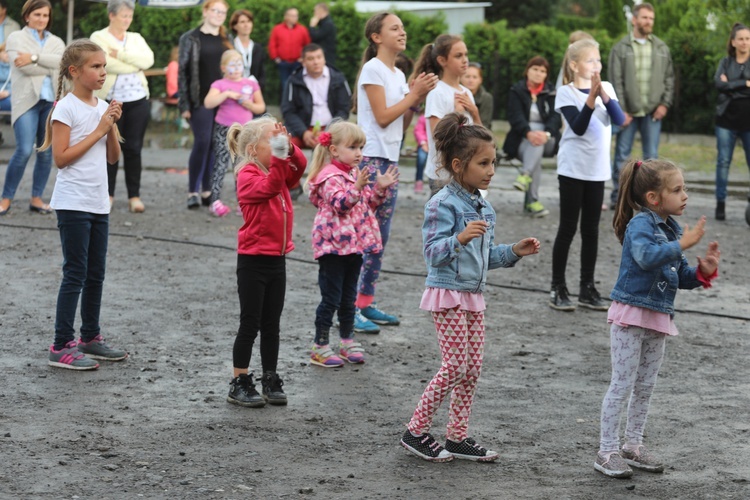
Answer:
(128, 55)
(35, 54)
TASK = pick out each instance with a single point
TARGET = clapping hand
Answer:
(363, 178)
(691, 236)
(388, 178)
(474, 229)
(710, 262)
(527, 246)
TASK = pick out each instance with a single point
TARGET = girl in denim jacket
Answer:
(458, 234)
(652, 268)
(345, 228)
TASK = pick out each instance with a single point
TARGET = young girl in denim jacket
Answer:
(345, 228)
(458, 234)
(652, 268)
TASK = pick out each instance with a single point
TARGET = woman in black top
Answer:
(199, 66)
(732, 79)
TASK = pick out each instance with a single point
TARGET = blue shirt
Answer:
(4, 67)
(48, 92)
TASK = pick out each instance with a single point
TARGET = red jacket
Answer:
(267, 205)
(287, 43)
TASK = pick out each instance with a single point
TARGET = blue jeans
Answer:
(285, 71)
(337, 279)
(421, 162)
(726, 139)
(201, 161)
(650, 132)
(29, 127)
(83, 236)
(372, 262)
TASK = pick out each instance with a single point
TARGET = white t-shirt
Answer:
(585, 157)
(82, 185)
(381, 142)
(440, 101)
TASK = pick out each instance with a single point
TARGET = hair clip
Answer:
(637, 165)
(324, 139)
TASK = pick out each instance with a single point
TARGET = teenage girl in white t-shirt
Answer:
(84, 137)
(588, 106)
(384, 102)
(448, 58)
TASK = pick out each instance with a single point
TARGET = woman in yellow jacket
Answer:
(128, 55)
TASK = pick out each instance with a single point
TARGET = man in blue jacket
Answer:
(314, 95)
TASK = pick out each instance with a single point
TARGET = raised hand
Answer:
(710, 262)
(363, 178)
(423, 83)
(526, 246)
(691, 236)
(595, 90)
(474, 229)
(388, 178)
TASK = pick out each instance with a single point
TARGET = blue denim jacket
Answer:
(451, 265)
(653, 266)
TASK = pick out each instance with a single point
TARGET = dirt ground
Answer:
(158, 425)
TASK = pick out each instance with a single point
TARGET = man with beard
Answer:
(640, 69)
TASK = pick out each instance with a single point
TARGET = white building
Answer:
(457, 14)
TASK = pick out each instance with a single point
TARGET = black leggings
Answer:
(132, 126)
(261, 284)
(584, 197)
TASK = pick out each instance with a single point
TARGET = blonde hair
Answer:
(573, 54)
(228, 55)
(76, 54)
(240, 137)
(342, 134)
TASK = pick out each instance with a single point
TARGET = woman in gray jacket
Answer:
(35, 54)
(732, 80)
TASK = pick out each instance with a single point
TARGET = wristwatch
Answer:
(34, 58)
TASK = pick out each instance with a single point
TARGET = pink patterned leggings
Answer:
(461, 339)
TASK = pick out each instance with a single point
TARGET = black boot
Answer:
(720, 210)
(747, 211)
(589, 297)
(559, 299)
(242, 392)
(272, 388)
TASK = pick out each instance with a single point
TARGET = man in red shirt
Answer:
(286, 43)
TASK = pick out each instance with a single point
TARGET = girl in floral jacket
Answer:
(344, 230)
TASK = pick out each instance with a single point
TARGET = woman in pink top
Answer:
(420, 135)
(345, 228)
(237, 98)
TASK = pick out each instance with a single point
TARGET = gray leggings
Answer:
(531, 156)
(637, 355)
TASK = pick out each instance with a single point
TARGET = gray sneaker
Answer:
(612, 465)
(98, 349)
(71, 358)
(641, 458)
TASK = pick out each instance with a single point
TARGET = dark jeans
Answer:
(261, 284)
(726, 140)
(337, 279)
(132, 126)
(83, 236)
(201, 162)
(285, 71)
(650, 131)
(584, 197)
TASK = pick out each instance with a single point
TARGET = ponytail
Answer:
(48, 125)
(241, 137)
(373, 26)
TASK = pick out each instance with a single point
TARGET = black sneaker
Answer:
(558, 299)
(589, 297)
(242, 392)
(426, 447)
(721, 213)
(468, 449)
(272, 388)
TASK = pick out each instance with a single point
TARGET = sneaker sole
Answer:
(384, 323)
(539, 215)
(473, 458)
(105, 358)
(593, 307)
(371, 332)
(275, 401)
(647, 468)
(520, 187)
(620, 474)
(570, 308)
(259, 404)
(426, 457)
(318, 363)
(355, 362)
(71, 367)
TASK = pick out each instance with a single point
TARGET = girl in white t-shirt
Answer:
(589, 107)
(448, 58)
(384, 102)
(82, 132)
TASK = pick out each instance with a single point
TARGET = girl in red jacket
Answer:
(266, 165)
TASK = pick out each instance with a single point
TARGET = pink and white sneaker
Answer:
(218, 209)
